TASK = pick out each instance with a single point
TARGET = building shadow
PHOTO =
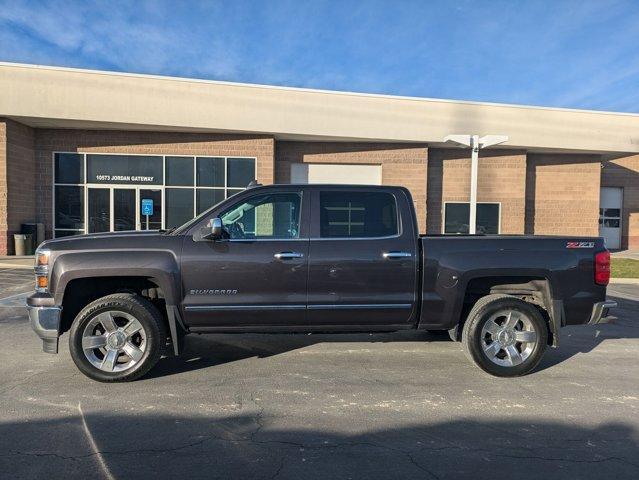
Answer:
(257, 444)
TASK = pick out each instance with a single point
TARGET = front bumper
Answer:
(45, 321)
(600, 312)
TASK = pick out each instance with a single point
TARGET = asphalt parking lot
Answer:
(352, 406)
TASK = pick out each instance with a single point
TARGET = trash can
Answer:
(23, 244)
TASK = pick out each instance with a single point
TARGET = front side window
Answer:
(457, 218)
(357, 215)
(266, 216)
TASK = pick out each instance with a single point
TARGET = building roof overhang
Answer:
(54, 97)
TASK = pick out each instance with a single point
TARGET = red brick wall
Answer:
(17, 181)
(624, 173)
(49, 141)
(501, 178)
(404, 165)
(562, 194)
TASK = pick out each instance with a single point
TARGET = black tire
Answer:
(153, 328)
(473, 343)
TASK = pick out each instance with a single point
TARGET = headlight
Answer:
(42, 270)
(42, 258)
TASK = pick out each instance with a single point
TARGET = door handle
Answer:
(396, 254)
(288, 255)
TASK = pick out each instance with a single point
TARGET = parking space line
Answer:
(94, 446)
(17, 300)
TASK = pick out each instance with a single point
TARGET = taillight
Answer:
(602, 268)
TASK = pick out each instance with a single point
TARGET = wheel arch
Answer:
(103, 272)
(533, 289)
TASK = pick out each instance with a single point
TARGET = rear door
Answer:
(363, 258)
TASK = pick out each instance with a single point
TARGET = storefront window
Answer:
(241, 172)
(181, 187)
(457, 218)
(210, 172)
(179, 171)
(179, 206)
(69, 207)
(207, 197)
(69, 168)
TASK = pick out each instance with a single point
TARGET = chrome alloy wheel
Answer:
(114, 341)
(508, 338)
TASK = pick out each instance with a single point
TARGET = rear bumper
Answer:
(600, 312)
(45, 321)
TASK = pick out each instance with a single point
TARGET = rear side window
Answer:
(357, 214)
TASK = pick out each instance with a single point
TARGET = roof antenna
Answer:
(253, 184)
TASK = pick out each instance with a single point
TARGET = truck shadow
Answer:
(203, 351)
(261, 443)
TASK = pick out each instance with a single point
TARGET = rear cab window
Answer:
(357, 214)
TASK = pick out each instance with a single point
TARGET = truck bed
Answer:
(451, 263)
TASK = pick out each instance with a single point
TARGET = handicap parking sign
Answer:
(147, 206)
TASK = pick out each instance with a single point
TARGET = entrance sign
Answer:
(125, 169)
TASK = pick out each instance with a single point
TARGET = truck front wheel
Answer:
(117, 338)
(505, 336)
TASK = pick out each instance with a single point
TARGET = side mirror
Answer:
(213, 231)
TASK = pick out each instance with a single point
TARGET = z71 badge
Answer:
(580, 245)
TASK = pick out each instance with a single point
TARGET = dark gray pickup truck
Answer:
(312, 258)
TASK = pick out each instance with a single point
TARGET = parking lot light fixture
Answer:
(475, 143)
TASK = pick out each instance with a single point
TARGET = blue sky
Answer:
(578, 54)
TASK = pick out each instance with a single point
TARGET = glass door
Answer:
(118, 209)
(124, 211)
(99, 210)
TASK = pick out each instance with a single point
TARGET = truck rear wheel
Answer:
(505, 336)
(117, 338)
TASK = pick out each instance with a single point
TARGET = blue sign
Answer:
(147, 206)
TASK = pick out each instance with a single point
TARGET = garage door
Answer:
(336, 173)
(610, 216)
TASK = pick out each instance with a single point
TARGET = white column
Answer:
(474, 168)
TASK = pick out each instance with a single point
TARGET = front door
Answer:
(124, 209)
(99, 210)
(118, 209)
(257, 275)
(362, 264)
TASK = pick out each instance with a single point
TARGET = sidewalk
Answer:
(632, 254)
(25, 262)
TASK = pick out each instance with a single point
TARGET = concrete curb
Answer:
(632, 281)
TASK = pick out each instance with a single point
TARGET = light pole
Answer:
(476, 143)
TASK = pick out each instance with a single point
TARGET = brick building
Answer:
(80, 149)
